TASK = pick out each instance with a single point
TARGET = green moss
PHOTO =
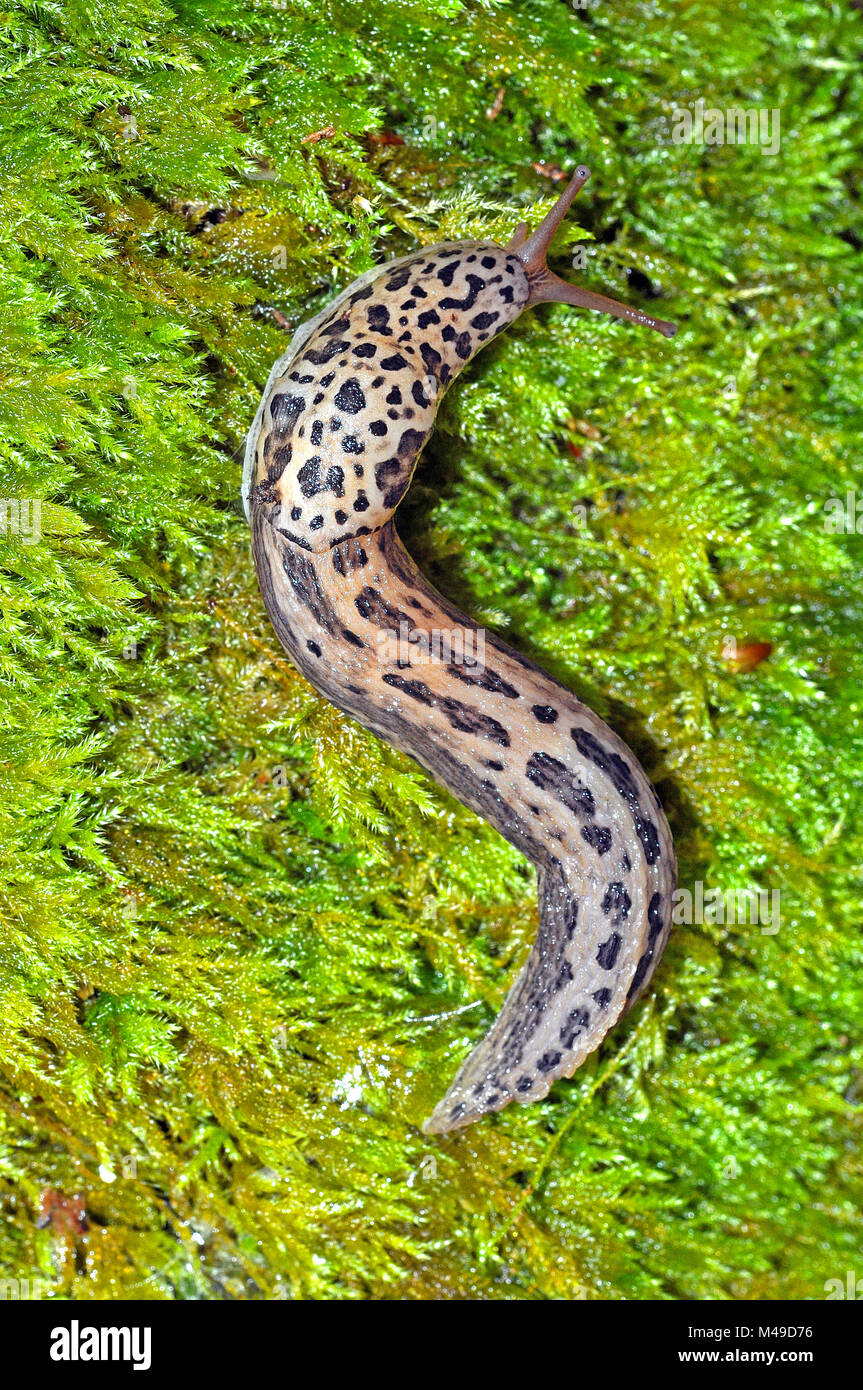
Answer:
(244, 945)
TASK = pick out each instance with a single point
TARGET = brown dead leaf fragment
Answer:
(65, 1215)
(740, 657)
(584, 427)
(494, 110)
(549, 171)
(317, 135)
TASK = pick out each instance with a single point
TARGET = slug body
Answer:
(331, 453)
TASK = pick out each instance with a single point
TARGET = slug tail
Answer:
(557, 1013)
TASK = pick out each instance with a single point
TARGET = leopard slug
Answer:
(344, 417)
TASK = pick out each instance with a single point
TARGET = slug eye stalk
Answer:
(545, 286)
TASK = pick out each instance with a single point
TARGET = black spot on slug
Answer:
(598, 837)
(574, 1024)
(349, 397)
(546, 714)
(285, 410)
(608, 952)
(430, 357)
(618, 772)
(616, 900)
(552, 776)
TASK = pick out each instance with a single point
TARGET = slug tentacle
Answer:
(345, 415)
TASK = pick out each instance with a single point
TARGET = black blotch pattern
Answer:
(319, 356)
(608, 952)
(410, 443)
(552, 776)
(618, 772)
(546, 714)
(430, 357)
(263, 492)
(285, 410)
(349, 397)
(399, 278)
(475, 284)
(598, 837)
(574, 1024)
(655, 923)
(309, 477)
(463, 717)
(616, 900)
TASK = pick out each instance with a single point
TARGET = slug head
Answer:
(545, 286)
